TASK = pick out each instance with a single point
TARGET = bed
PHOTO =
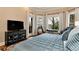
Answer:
(43, 42)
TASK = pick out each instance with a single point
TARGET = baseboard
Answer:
(2, 43)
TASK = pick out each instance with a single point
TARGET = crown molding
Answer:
(51, 12)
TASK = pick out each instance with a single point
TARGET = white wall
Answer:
(77, 17)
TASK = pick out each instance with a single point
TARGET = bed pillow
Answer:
(73, 43)
(66, 34)
(61, 32)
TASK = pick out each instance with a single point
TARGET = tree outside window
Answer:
(53, 23)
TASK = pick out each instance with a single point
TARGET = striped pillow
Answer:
(73, 43)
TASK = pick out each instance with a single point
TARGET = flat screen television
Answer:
(14, 25)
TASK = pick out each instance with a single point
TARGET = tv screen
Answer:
(15, 25)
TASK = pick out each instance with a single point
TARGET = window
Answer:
(72, 18)
(53, 22)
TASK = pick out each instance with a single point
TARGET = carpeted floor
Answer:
(43, 42)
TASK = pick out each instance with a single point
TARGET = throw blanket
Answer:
(44, 42)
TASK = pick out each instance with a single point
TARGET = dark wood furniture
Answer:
(12, 37)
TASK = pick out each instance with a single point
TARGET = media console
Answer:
(12, 37)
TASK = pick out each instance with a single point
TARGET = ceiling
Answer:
(49, 10)
(45, 8)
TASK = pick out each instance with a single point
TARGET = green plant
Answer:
(54, 25)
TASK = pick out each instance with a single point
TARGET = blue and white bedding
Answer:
(44, 42)
(72, 43)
